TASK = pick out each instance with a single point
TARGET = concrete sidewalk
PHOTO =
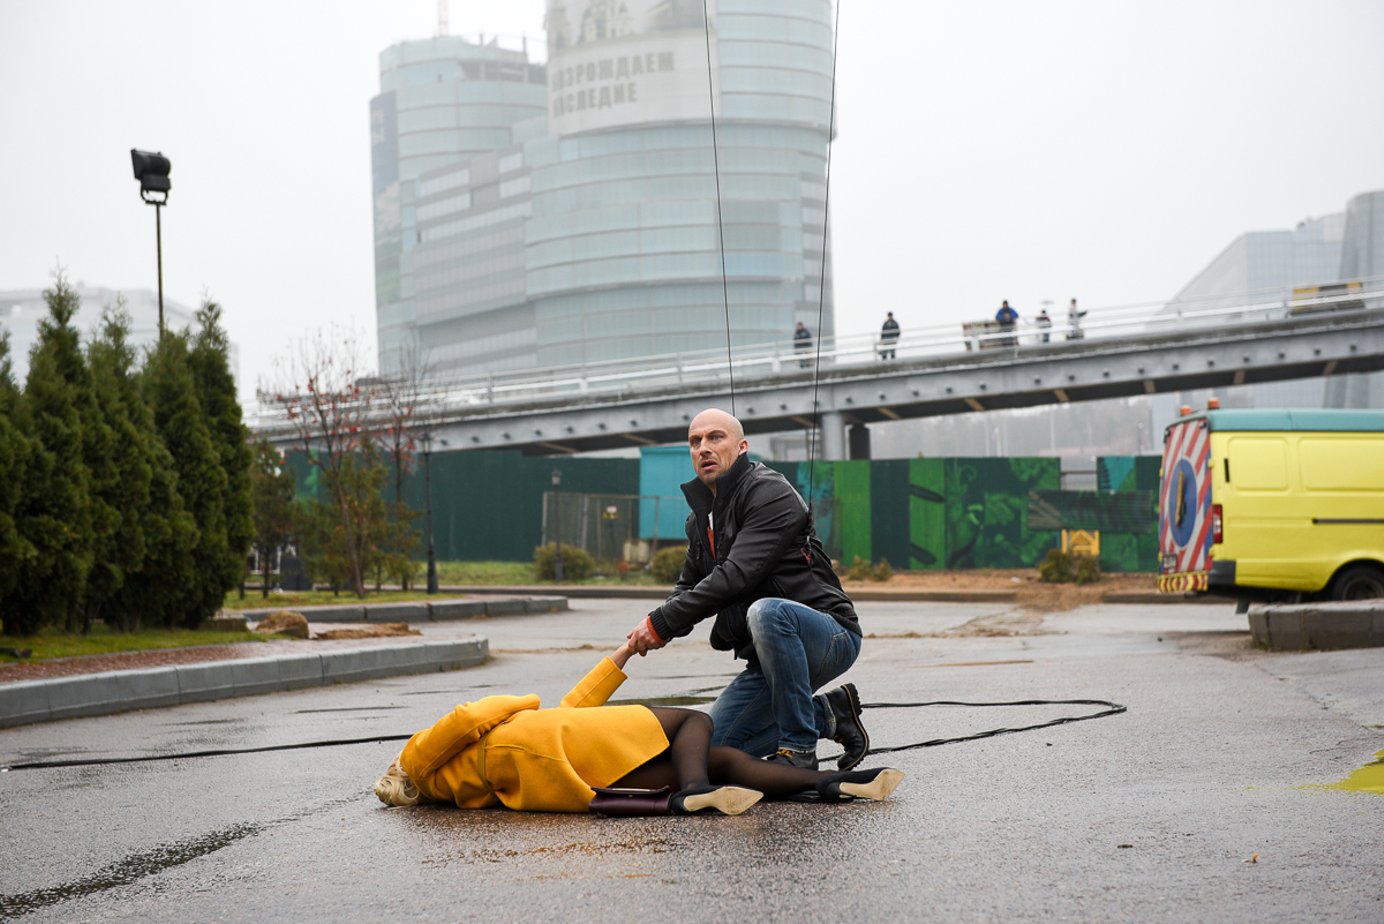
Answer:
(224, 674)
(107, 692)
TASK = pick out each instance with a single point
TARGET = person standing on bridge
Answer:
(802, 344)
(1074, 322)
(888, 336)
(755, 563)
(1007, 317)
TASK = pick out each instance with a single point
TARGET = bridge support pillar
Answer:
(859, 439)
(833, 435)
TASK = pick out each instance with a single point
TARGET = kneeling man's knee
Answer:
(763, 612)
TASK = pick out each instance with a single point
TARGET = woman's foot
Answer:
(860, 784)
(728, 800)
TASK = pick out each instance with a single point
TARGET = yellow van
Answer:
(1273, 504)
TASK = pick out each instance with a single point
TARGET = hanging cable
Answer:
(822, 277)
(720, 226)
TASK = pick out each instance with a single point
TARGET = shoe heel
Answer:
(877, 789)
(727, 800)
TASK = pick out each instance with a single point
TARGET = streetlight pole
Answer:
(152, 169)
(427, 488)
(557, 526)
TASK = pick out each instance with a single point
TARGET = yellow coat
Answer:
(506, 749)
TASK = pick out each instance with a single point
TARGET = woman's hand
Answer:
(622, 654)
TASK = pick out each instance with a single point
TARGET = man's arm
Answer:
(772, 522)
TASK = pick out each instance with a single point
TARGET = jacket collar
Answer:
(699, 496)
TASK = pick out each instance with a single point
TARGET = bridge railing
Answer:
(615, 378)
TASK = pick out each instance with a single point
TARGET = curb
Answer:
(416, 612)
(31, 701)
(1323, 626)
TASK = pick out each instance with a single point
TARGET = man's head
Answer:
(715, 439)
(891, 315)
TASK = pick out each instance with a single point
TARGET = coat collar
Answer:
(699, 496)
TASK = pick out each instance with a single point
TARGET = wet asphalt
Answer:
(1207, 800)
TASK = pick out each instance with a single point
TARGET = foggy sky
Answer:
(986, 150)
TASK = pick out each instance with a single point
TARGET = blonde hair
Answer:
(395, 788)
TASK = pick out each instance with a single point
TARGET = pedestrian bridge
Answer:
(936, 371)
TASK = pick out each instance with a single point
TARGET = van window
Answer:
(1346, 464)
(1257, 463)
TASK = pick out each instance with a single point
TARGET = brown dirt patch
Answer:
(1029, 591)
(382, 630)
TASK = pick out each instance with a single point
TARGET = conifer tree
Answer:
(122, 467)
(211, 370)
(171, 392)
(54, 512)
(16, 551)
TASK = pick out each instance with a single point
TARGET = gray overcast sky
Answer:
(986, 149)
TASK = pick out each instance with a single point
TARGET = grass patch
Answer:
(484, 572)
(449, 574)
(290, 600)
(103, 640)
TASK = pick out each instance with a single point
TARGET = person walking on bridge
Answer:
(755, 563)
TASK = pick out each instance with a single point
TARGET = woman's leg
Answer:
(683, 764)
(690, 763)
(729, 766)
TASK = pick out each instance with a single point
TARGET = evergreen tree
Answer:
(170, 390)
(273, 492)
(211, 370)
(122, 468)
(16, 551)
(54, 512)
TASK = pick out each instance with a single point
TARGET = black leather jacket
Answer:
(765, 547)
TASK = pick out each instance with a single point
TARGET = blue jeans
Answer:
(770, 705)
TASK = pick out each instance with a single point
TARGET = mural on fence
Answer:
(915, 513)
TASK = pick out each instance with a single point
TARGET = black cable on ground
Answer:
(1112, 709)
(187, 755)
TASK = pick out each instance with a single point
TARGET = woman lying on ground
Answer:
(506, 750)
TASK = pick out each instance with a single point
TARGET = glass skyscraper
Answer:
(533, 215)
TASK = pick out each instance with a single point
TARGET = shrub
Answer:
(1059, 567)
(577, 563)
(861, 570)
(667, 563)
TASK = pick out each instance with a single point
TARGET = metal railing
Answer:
(978, 341)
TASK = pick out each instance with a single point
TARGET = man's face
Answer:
(715, 443)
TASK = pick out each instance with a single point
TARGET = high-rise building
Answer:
(600, 212)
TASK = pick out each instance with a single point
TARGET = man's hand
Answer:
(643, 639)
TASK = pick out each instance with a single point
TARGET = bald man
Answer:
(755, 563)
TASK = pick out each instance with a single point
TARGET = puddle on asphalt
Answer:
(686, 699)
(1369, 778)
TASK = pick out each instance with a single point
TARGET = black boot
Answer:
(803, 760)
(860, 784)
(844, 703)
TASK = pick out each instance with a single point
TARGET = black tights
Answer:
(690, 760)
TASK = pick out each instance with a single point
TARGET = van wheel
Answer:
(1358, 582)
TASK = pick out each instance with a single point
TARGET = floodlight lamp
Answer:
(152, 169)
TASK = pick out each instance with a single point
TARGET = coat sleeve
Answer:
(597, 686)
(458, 730)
